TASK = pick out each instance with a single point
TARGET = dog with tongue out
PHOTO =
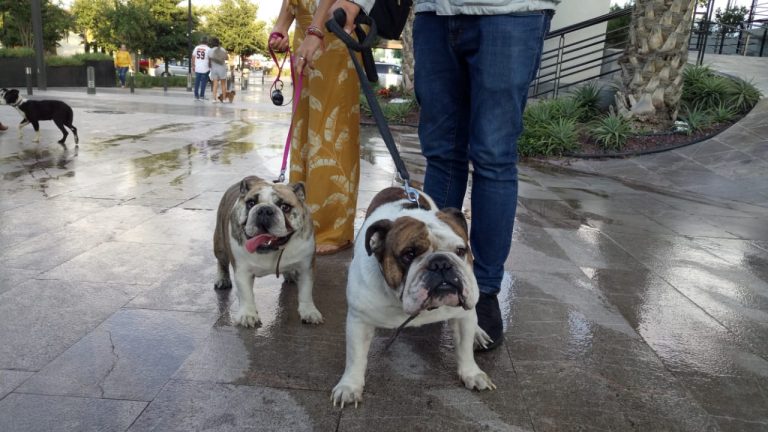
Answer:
(265, 228)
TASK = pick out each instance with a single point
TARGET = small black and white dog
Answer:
(34, 111)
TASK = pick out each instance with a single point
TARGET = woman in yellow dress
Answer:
(325, 148)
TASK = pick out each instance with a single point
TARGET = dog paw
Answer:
(309, 314)
(477, 380)
(346, 393)
(481, 338)
(246, 318)
(222, 284)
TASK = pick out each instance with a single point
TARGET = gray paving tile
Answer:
(402, 406)
(730, 397)
(23, 413)
(186, 405)
(129, 356)
(40, 319)
(176, 226)
(10, 379)
(184, 296)
(570, 395)
(10, 278)
(133, 263)
(533, 249)
(589, 247)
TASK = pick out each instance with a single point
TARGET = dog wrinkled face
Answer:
(269, 214)
(426, 261)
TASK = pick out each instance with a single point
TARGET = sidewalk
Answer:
(630, 304)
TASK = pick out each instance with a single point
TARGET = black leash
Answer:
(367, 75)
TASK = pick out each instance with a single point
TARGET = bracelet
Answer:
(315, 31)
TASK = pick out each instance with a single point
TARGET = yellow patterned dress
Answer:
(325, 148)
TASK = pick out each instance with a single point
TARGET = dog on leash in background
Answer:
(35, 111)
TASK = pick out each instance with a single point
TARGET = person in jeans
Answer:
(474, 64)
(122, 63)
(201, 66)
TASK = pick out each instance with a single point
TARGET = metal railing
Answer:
(571, 62)
(748, 38)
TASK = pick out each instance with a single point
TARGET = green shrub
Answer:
(552, 137)
(709, 92)
(147, 81)
(694, 74)
(62, 61)
(396, 112)
(587, 97)
(697, 119)
(84, 57)
(17, 52)
(722, 114)
(566, 108)
(743, 95)
(611, 131)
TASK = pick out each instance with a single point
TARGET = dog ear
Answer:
(247, 183)
(456, 218)
(298, 189)
(374, 237)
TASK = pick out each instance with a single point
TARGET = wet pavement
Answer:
(636, 298)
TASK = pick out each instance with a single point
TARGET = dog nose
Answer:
(265, 211)
(440, 265)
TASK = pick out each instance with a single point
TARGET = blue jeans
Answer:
(121, 72)
(472, 79)
(201, 81)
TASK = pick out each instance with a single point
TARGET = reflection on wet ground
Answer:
(628, 304)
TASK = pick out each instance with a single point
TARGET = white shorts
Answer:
(218, 72)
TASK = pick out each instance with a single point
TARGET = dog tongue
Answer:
(253, 243)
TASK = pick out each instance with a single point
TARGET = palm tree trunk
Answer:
(652, 65)
(407, 39)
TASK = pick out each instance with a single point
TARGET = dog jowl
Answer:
(35, 111)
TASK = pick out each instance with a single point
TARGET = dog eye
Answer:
(286, 207)
(461, 252)
(250, 203)
(408, 255)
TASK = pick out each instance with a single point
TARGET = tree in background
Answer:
(731, 20)
(17, 24)
(652, 64)
(88, 19)
(234, 23)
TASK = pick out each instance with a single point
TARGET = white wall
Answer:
(571, 12)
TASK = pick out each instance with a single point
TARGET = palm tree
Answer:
(407, 40)
(652, 65)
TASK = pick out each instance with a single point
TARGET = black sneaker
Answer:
(489, 319)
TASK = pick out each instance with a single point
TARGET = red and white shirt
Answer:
(200, 57)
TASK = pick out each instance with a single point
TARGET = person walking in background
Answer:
(325, 149)
(201, 66)
(218, 56)
(474, 64)
(122, 63)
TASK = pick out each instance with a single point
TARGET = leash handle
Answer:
(295, 99)
(335, 26)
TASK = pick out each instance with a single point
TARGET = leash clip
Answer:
(411, 193)
(281, 177)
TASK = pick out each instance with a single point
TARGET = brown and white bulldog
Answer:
(410, 262)
(264, 228)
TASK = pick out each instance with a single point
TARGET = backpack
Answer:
(390, 17)
(218, 55)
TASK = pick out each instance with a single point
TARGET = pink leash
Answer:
(295, 100)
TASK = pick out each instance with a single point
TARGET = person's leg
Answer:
(215, 82)
(443, 93)
(503, 54)
(205, 84)
(198, 79)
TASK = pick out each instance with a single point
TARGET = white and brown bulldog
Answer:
(410, 263)
(264, 228)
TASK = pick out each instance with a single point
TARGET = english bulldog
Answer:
(412, 264)
(265, 228)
